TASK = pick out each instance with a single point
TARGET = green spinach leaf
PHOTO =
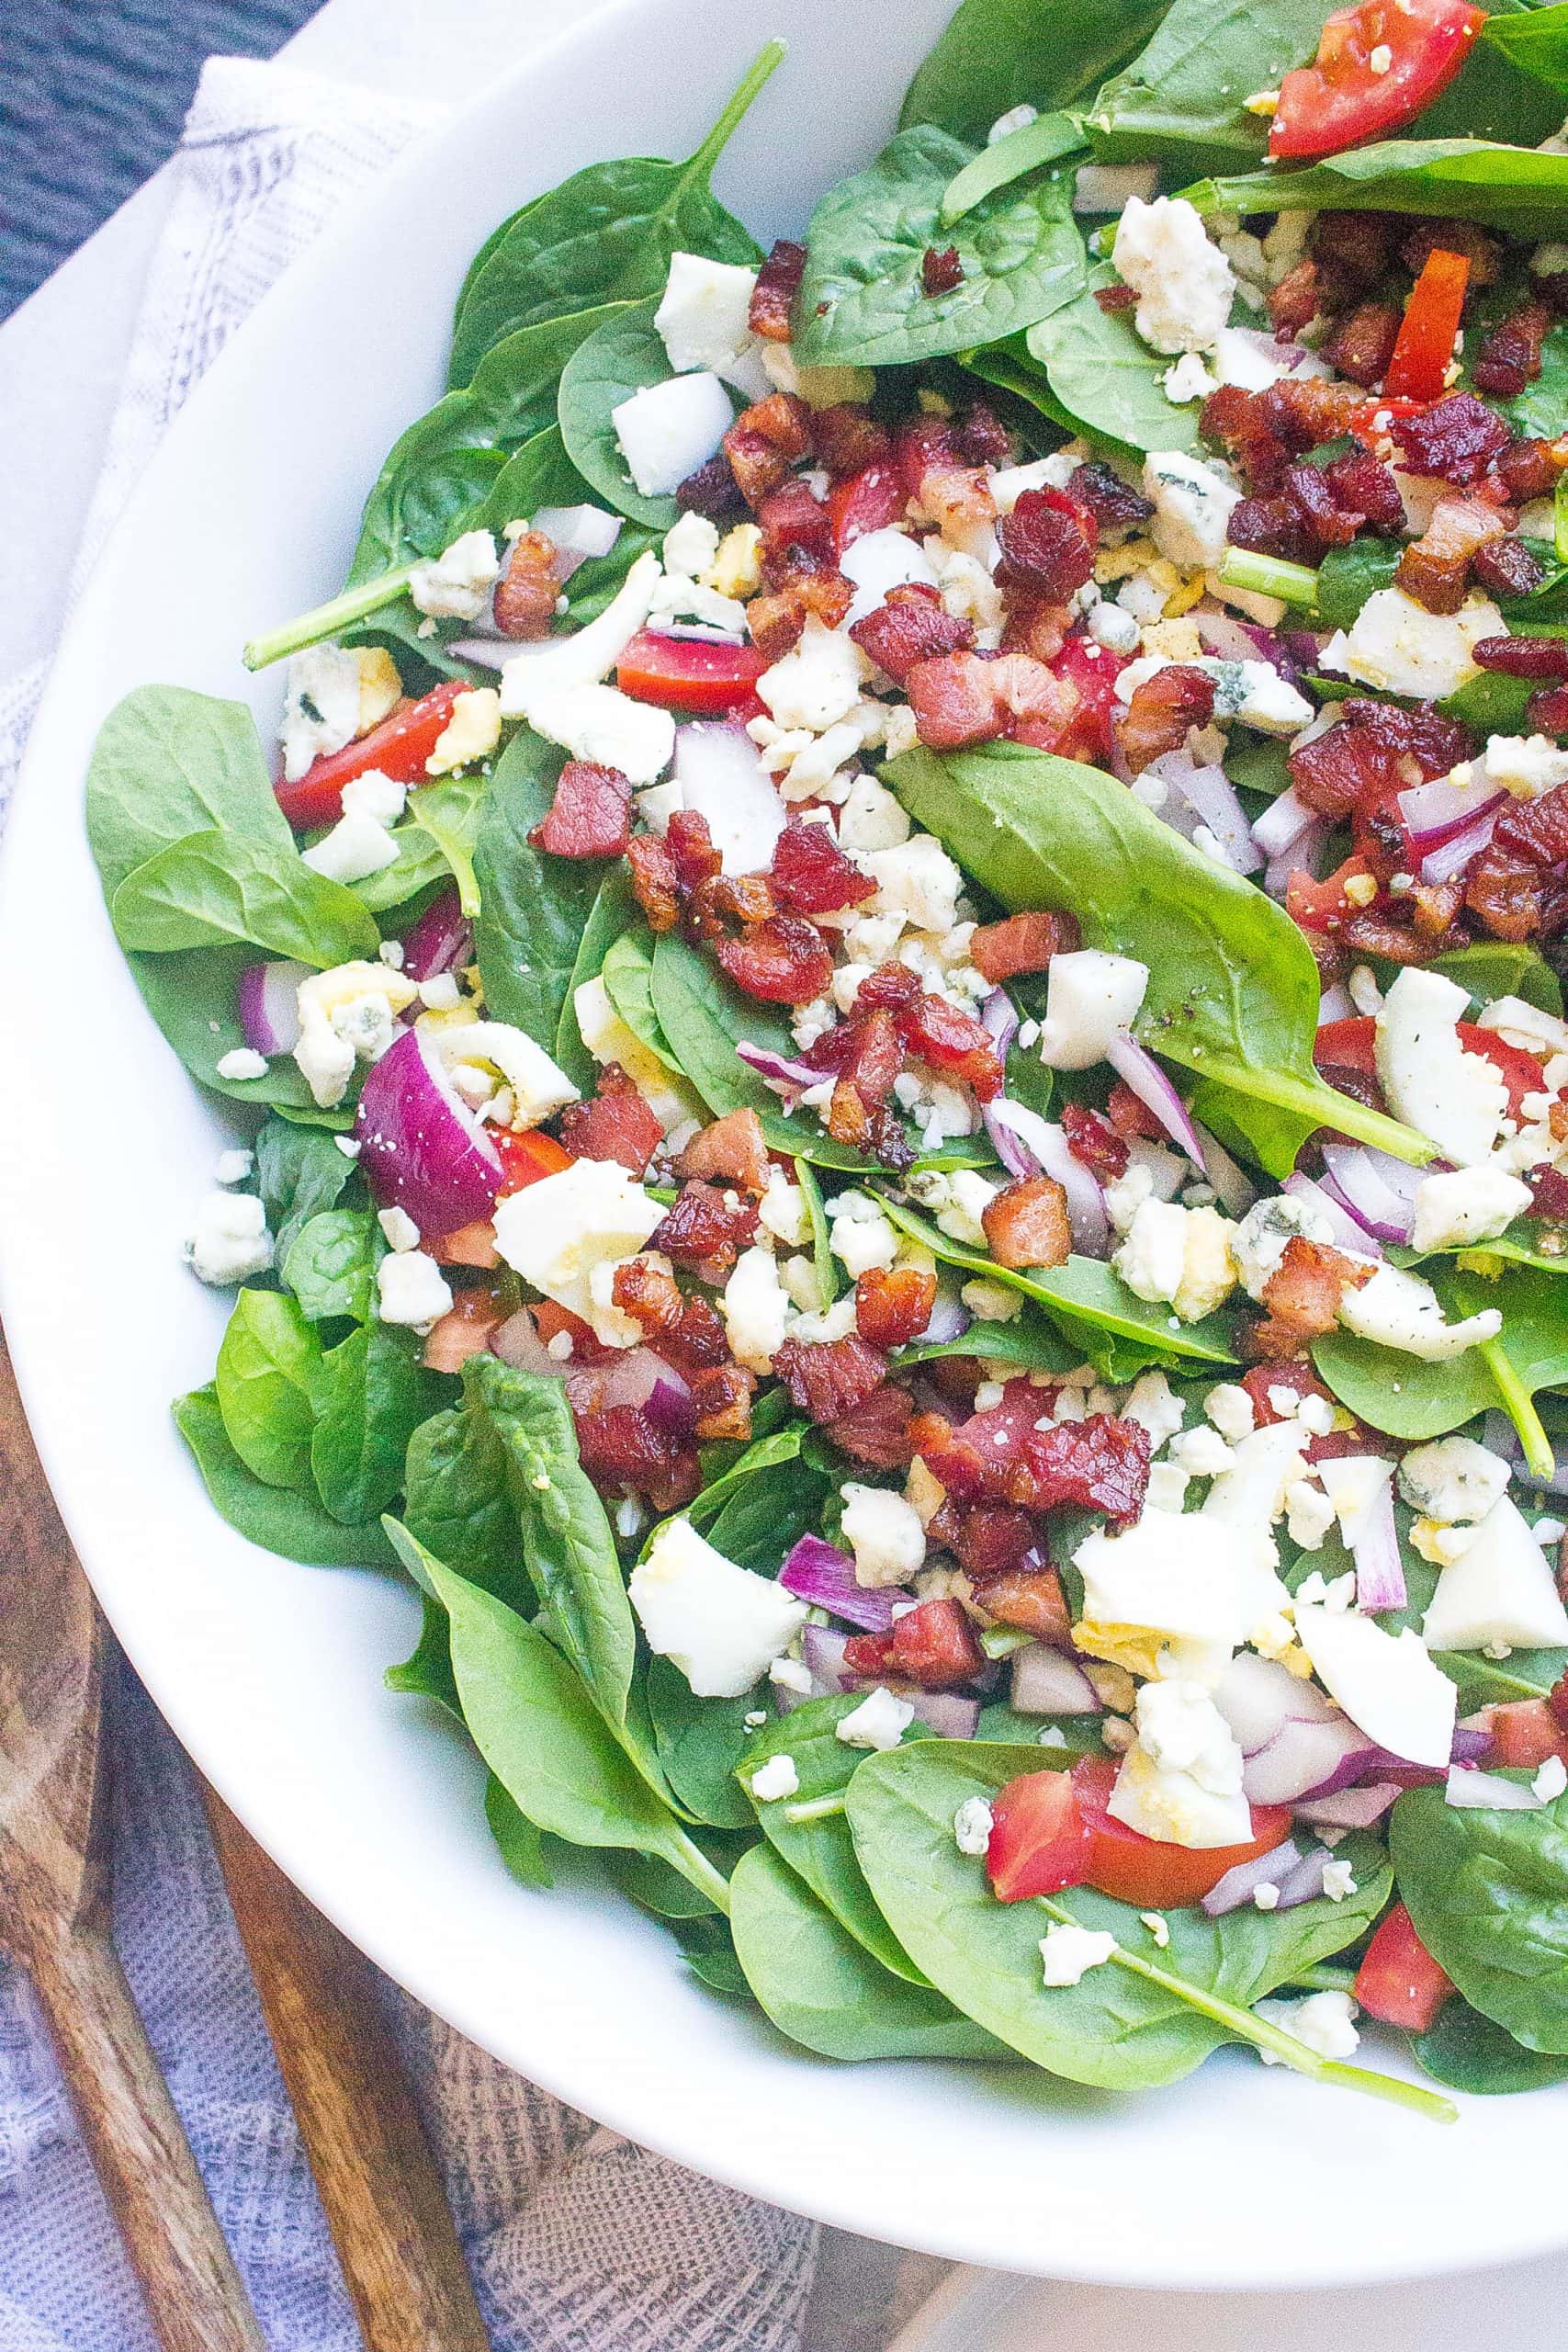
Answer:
(215, 889)
(700, 1742)
(613, 913)
(371, 1395)
(1106, 378)
(331, 1264)
(997, 54)
(168, 763)
(280, 1518)
(1011, 157)
(298, 1173)
(624, 355)
(533, 906)
(1408, 1398)
(1517, 188)
(1468, 2053)
(1488, 1894)
(521, 1846)
(457, 1502)
(267, 1361)
(193, 996)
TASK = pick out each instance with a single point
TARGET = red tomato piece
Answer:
(398, 748)
(1039, 1840)
(1525, 1732)
(688, 673)
(1134, 1869)
(526, 1156)
(1377, 66)
(868, 501)
(1317, 906)
(1424, 351)
(1399, 1981)
(1093, 671)
(1352, 1044)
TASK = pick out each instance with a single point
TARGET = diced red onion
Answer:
(1334, 1004)
(1048, 1153)
(787, 1078)
(1264, 1870)
(1454, 855)
(702, 632)
(1047, 1682)
(268, 1005)
(1489, 1790)
(517, 1343)
(576, 533)
(1303, 856)
(1304, 1883)
(1347, 1233)
(441, 940)
(949, 1318)
(947, 1713)
(1234, 1187)
(822, 1647)
(1503, 1438)
(1381, 1203)
(1472, 1744)
(1433, 813)
(1284, 822)
(1258, 1697)
(1302, 1760)
(1374, 1547)
(1137, 1068)
(421, 1149)
(998, 1018)
(668, 1405)
(1223, 635)
(1349, 1808)
(1210, 795)
(1277, 349)
(818, 1572)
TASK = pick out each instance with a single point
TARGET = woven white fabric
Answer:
(579, 2241)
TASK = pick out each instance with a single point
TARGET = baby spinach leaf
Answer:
(533, 906)
(451, 814)
(769, 1512)
(540, 1732)
(1348, 576)
(822, 1989)
(614, 911)
(1408, 1398)
(821, 1852)
(331, 1264)
(624, 355)
(1535, 40)
(1027, 1340)
(607, 235)
(862, 300)
(1151, 2014)
(708, 1948)
(457, 1502)
(1009, 369)
(193, 996)
(426, 1673)
(655, 1887)
(370, 1395)
(763, 1454)
(284, 1519)
(1488, 1892)
(1105, 376)
(298, 1173)
(828, 1270)
(628, 974)
(997, 54)
(1468, 2053)
(521, 1846)
(539, 474)
(1011, 157)
(1232, 990)
(266, 1362)
(700, 1741)
(214, 889)
(168, 763)
(420, 862)
(1518, 188)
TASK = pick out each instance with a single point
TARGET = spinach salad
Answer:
(897, 1015)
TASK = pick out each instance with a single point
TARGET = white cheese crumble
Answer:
(972, 1826)
(879, 1722)
(777, 1778)
(1069, 1952)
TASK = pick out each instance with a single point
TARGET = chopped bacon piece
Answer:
(621, 1447)
(1112, 299)
(1021, 943)
(1161, 711)
(1484, 253)
(890, 986)
(1354, 247)
(911, 625)
(764, 443)
(963, 698)
(1507, 568)
(1304, 291)
(700, 1229)
(1510, 886)
(932, 1645)
(647, 1295)
(941, 271)
(1529, 470)
(955, 495)
(954, 1042)
(812, 876)
(981, 437)
(829, 1379)
(1026, 1225)
(726, 899)
(1362, 343)
(1375, 749)
(783, 961)
(893, 1304)
(1456, 438)
(849, 439)
(1093, 1139)
(1325, 522)
(690, 844)
(1509, 357)
(1048, 546)
(617, 1124)
(1434, 569)
(1098, 490)
(1030, 1599)
(791, 517)
(1303, 1297)
(733, 1149)
(1040, 630)
(1363, 485)
(1098, 1464)
(777, 623)
(1549, 1194)
(797, 592)
(653, 881)
(1130, 1116)
(1542, 659)
(712, 491)
(773, 297)
(553, 1322)
(590, 814)
(465, 1329)
(866, 1050)
(527, 590)
(877, 1431)
(722, 1394)
(466, 1245)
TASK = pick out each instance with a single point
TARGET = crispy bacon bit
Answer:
(1354, 245)
(1529, 470)
(784, 961)
(1114, 504)
(553, 1322)
(849, 439)
(910, 626)
(776, 624)
(1509, 358)
(1161, 711)
(877, 1431)
(712, 491)
(1093, 1139)
(621, 1448)
(1264, 431)
(590, 814)
(1434, 569)
(866, 1052)
(812, 876)
(722, 1394)
(1130, 1116)
(654, 881)
(724, 901)
(940, 272)
(1112, 299)
(933, 1646)
(1510, 886)
(1363, 485)
(894, 1305)
(1311, 511)
(615, 1124)
(976, 1459)
(829, 1378)
(936, 1032)
(773, 297)
(1507, 568)
(1303, 292)
(955, 495)
(1542, 659)
(1303, 1296)
(699, 1228)
(466, 1245)
(1026, 1225)
(1021, 943)
(1375, 749)
(890, 986)
(690, 844)
(1549, 1194)
(1030, 1599)
(733, 1149)
(466, 1328)
(690, 1332)
(1456, 438)
(1363, 344)
(526, 594)
(963, 698)
(791, 517)
(981, 437)
(1098, 1464)
(764, 443)
(1484, 253)
(1048, 546)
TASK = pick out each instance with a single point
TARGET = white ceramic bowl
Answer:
(271, 1674)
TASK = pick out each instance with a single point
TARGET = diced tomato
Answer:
(688, 673)
(587, 1347)
(398, 748)
(1040, 1841)
(1156, 1877)
(1377, 66)
(1352, 1044)
(1317, 906)
(868, 501)
(526, 1156)
(1525, 1732)
(1370, 421)
(1425, 349)
(1399, 1981)
(1094, 673)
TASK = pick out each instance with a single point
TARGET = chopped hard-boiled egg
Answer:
(721, 1624)
(555, 1234)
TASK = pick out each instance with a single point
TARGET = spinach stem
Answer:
(701, 1873)
(1267, 575)
(353, 604)
(1313, 1100)
(814, 1809)
(1323, 1978)
(761, 69)
(1520, 1408)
